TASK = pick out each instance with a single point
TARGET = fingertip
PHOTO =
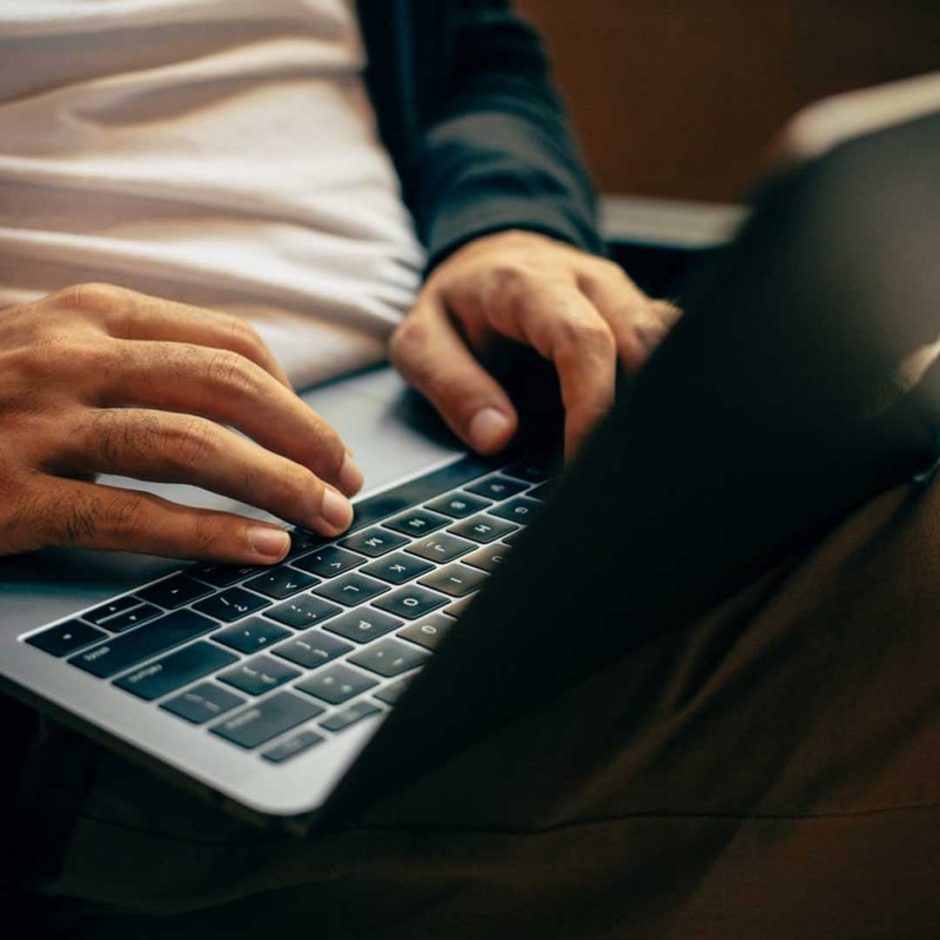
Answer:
(269, 543)
(490, 430)
(337, 511)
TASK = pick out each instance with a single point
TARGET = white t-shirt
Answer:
(217, 152)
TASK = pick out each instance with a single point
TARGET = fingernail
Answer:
(487, 430)
(336, 509)
(350, 476)
(267, 541)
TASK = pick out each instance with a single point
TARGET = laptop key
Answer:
(411, 602)
(221, 576)
(417, 522)
(363, 624)
(349, 716)
(258, 675)
(251, 635)
(129, 649)
(352, 589)
(441, 548)
(337, 684)
(459, 505)
(266, 719)
(497, 487)
(483, 528)
(100, 614)
(312, 649)
(532, 471)
(132, 618)
(521, 509)
(66, 638)
(488, 558)
(303, 612)
(174, 592)
(202, 702)
(292, 747)
(459, 607)
(374, 542)
(428, 632)
(281, 582)
(392, 693)
(419, 490)
(302, 542)
(389, 657)
(330, 561)
(231, 604)
(456, 580)
(512, 538)
(397, 568)
(157, 678)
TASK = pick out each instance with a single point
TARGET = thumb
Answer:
(432, 356)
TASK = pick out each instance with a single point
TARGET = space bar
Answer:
(158, 636)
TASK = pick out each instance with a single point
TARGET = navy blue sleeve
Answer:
(493, 149)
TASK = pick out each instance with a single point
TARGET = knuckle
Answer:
(511, 277)
(407, 344)
(122, 516)
(601, 274)
(609, 268)
(92, 296)
(586, 336)
(233, 371)
(112, 439)
(190, 444)
(73, 518)
(205, 534)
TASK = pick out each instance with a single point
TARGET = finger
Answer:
(172, 448)
(432, 357)
(89, 515)
(639, 323)
(558, 321)
(229, 388)
(127, 314)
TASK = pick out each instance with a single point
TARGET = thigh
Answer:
(770, 769)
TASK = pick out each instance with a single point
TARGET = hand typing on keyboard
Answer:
(580, 312)
(98, 379)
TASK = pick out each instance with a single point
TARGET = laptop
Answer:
(467, 590)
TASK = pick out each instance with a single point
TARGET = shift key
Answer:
(129, 649)
(269, 717)
(157, 678)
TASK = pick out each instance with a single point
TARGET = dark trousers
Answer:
(734, 725)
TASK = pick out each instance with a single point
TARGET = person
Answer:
(750, 749)
(762, 763)
(203, 204)
(188, 155)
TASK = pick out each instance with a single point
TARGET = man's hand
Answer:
(99, 379)
(578, 311)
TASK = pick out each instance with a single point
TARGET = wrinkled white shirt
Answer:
(217, 152)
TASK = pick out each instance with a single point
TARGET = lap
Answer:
(769, 770)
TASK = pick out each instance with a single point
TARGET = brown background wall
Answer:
(681, 97)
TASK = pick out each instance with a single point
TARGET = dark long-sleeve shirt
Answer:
(476, 130)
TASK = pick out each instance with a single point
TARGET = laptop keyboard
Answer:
(278, 660)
